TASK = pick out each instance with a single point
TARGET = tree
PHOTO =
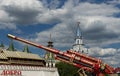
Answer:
(66, 69)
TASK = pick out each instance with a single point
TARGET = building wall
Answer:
(18, 70)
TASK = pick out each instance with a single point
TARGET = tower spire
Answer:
(50, 43)
(50, 59)
(79, 34)
(78, 45)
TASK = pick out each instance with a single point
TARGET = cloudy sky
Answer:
(35, 20)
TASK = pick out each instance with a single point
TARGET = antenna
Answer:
(50, 37)
(50, 43)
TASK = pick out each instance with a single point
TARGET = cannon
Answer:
(80, 60)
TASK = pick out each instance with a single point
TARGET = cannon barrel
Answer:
(77, 59)
(89, 58)
(63, 56)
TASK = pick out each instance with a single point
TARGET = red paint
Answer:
(11, 72)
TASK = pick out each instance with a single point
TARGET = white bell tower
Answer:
(78, 45)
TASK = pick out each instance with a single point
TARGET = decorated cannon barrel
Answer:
(75, 58)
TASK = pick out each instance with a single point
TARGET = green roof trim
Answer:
(26, 49)
(11, 46)
(49, 56)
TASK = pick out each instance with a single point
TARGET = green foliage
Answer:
(66, 69)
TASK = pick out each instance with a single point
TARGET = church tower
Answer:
(78, 45)
(49, 57)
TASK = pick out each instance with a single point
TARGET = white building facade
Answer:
(18, 70)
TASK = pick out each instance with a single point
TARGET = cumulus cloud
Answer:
(97, 51)
(7, 26)
(59, 36)
(23, 12)
(51, 4)
(115, 2)
(98, 24)
(20, 12)
(108, 55)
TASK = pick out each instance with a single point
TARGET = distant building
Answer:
(49, 57)
(17, 63)
(79, 45)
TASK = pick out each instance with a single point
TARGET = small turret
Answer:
(50, 59)
(26, 49)
(78, 45)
